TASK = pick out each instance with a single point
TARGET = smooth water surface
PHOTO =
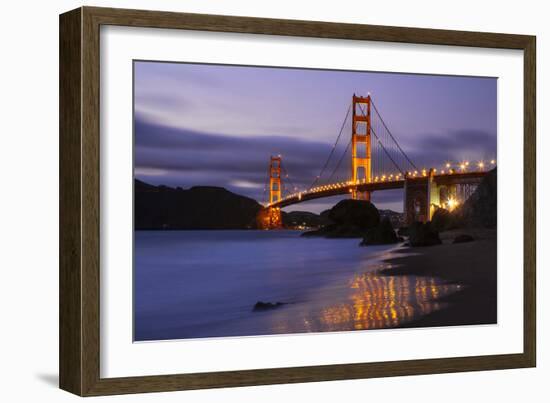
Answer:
(191, 284)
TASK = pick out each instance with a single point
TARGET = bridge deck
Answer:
(343, 188)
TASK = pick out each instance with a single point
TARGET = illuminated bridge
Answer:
(377, 163)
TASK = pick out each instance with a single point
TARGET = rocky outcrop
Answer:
(361, 213)
(382, 234)
(421, 234)
(349, 219)
(480, 210)
(200, 207)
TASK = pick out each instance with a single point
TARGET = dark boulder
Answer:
(421, 234)
(264, 306)
(463, 238)
(348, 219)
(325, 216)
(382, 234)
(360, 213)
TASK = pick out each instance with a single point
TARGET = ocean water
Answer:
(194, 284)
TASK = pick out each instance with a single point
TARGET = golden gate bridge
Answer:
(377, 163)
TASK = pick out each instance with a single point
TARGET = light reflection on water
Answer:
(372, 301)
(384, 302)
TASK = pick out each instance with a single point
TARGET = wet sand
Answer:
(472, 264)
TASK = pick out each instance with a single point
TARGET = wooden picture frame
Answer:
(80, 186)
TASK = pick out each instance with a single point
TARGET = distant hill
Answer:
(200, 207)
(397, 220)
(295, 219)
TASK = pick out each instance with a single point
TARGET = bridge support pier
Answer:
(269, 218)
(422, 198)
(425, 194)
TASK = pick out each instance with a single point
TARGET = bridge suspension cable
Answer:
(386, 152)
(386, 146)
(265, 198)
(287, 178)
(339, 161)
(333, 148)
(391, 136)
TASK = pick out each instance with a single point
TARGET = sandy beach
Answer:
(472, 264)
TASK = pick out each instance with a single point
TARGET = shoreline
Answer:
(472, 265)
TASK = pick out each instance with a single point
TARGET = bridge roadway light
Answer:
(448, 165)
(481, 165)
(493, 162)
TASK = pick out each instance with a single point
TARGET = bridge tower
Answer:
(271, 217)
(275, 179)
(361, 134)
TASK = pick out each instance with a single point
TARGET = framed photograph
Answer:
(249, 201)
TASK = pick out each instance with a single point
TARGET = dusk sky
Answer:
(218, 125)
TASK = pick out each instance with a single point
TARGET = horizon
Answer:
(218, 125)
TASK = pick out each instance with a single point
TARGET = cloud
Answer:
(245, 184)
(189, 158)
(186, 158)
(431, 150)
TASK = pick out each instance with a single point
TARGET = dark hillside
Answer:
(200, 207)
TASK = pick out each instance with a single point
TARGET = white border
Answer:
(121, 357)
